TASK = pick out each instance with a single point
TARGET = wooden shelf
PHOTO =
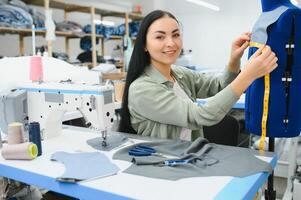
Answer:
(114, 76)
(60, 4)
(71, 7)
(20, 31)
(115, 37)
(135, 16)
(119, 65)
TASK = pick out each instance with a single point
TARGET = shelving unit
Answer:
(68, 8)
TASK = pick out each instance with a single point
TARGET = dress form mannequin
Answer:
(284, 107)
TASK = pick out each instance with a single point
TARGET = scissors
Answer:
(142, 150)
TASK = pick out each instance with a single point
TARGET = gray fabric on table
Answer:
(232, 161)
(259, 32)
(83, 166)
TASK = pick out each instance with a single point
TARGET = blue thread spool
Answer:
(35, 135)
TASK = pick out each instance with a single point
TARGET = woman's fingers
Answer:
(270, 58)
(273, 67)
(274, 62)
(247, 33)
(258, 52)
(244, 46)
(266, 51)
(245, 37)
(242, 39)
(271, 64)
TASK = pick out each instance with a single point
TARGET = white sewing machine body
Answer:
(93, 102)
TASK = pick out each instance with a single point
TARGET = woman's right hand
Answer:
(262, 62)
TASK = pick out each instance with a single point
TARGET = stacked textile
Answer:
(108, 31)
(73, 27)
(16, 14)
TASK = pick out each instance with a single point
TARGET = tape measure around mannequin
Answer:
(255, 44)
(265, 110)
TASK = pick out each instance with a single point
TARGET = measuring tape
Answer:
(255, 44)
(266, 96)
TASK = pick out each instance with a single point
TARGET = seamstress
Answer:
(159, 97)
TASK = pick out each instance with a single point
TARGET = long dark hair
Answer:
(140, 59)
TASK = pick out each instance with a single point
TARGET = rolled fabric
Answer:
(23, 151)
(15, 133)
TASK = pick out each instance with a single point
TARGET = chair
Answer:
(226, 132)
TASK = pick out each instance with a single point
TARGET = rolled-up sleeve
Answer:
(209, 85)
(158, 103)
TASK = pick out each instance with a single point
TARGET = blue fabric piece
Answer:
(134, 28)
(268, 5)
(20, 4)
(38, 18)
(15, 13)
(278, 33)
(120, 30)
(83, 166)
(259, 31)
(86, 44)
(107, 32)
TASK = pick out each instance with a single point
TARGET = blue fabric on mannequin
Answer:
(278, 34)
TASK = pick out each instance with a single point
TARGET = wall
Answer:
(208, 33)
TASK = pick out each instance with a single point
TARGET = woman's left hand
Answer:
(237, 49)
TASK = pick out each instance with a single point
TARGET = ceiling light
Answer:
(103, 22)
(205, 4)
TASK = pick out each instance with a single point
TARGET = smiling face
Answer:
(164, 41)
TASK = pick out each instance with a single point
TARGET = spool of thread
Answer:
(24, 151)
(36, 68)
(15, 133)
(35, 135)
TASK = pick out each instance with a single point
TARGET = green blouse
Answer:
(157, 112)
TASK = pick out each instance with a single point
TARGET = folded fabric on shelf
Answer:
(87, 57)
(38, 18)
(74, 27)
(16, 17)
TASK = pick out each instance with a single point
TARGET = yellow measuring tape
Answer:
(255, 44)
(265, 111)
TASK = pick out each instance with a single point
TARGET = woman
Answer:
(159, 97)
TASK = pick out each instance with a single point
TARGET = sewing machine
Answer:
(48, 103)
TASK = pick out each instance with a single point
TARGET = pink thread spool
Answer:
(15, 133)
(36, 68)
(24, 151)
